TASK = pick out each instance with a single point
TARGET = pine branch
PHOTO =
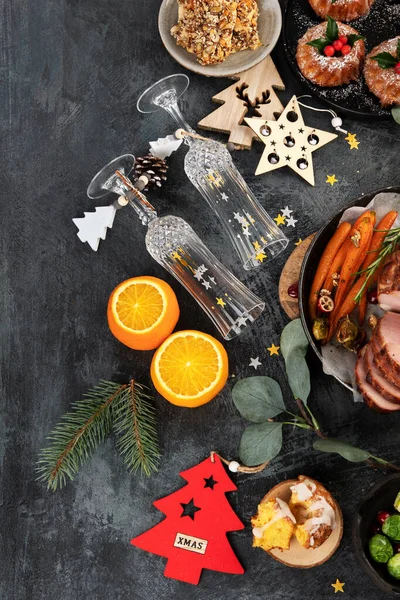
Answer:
(78, 434)
(134, 423)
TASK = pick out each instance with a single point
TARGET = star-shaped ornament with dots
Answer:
(289, 142)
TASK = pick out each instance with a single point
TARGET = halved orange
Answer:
(190, 368)
(142, 312)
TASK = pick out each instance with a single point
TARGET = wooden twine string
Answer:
(135, 191)
(181, 133)
(241, 468)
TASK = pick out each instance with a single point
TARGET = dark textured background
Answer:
(70, 74)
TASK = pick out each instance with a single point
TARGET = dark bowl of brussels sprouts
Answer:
(376, 534)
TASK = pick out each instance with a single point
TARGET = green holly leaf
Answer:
(258, 398)
(396, 114)
(353, 38)
(333, 1)
(294, 346)
(332, 30)
(260, 443)
(385, 60)
(398, 49)
(349, 452)
(319, 43)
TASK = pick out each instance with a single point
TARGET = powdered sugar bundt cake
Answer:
(342, 10)
(382, 74)
(330, 61)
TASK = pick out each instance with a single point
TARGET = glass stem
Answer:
(175, 112)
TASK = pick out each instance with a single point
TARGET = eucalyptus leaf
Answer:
(260, 443)
(349, 452)
(258, 398)
(396, 114)
(294, 345)
(332, 30)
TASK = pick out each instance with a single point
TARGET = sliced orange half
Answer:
(190, 368)
(142, 312)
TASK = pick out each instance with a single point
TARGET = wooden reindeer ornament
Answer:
(251, 95)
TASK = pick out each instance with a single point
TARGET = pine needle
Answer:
(135, 424)
(79, 432)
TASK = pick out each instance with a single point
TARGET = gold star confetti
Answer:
(221, 302)
(331, 179)
(338, 586)
(273, 350)
(260, 256)
(298, 242)
(351, 137)
(264, 241)
(354, 145)
(175, 255)
(256, 245)
(280, 220)
(252, 221)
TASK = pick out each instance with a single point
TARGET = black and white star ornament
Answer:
(289, 142)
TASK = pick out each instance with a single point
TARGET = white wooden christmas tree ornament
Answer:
(289, 142)
(164, 147)
(252, 94)
(93, 226)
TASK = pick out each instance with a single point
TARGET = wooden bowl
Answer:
(297, 556)
(380, 497)
(269, 26)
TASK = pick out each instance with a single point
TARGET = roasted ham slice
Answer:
(389, 284)
(383, 365)
(380, 384)
(371, 396)
(387, 338)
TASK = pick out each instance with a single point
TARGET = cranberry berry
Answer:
(346, 50)
(343, 39)
(382, 516)
(397, 68)
(372, 296)
(329, 50)
(338, 45)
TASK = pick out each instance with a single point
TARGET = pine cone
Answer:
(156, 167)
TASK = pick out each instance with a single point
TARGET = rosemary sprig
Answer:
(106, 406)
(390, 242)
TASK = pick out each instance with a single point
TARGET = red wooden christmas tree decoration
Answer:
(193, 535)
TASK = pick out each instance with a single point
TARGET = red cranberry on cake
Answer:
(382, 71)
(331, 54)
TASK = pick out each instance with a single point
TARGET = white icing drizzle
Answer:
(326, 516)
(304, 490)
(284, 511)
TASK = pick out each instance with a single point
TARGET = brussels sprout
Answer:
(320, 329)
(396, 503)
(393, 566)
(391, 527)
(380, 548)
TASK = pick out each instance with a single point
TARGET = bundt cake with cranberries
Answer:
(341, 10)
(382, 71)
(331, 54)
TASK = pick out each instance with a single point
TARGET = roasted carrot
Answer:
(347, 307)
(336, 266)
(360, 242)
(329, 254)
(377, 240)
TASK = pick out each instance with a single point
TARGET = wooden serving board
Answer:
(297, 556)
(290, 275)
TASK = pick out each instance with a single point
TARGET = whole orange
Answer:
(142, 312)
